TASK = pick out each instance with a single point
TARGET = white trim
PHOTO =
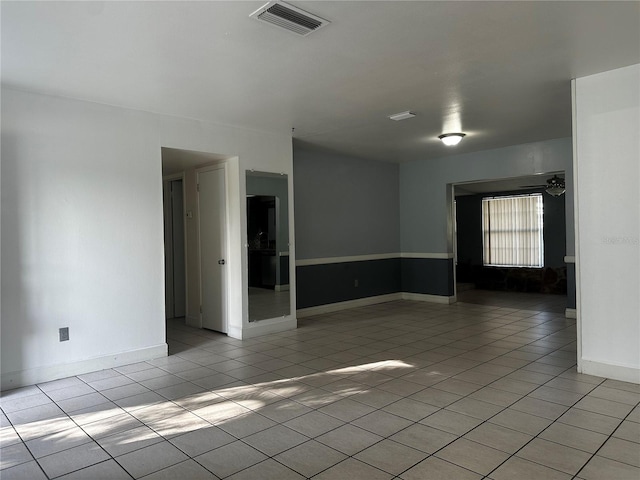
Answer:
(363, 302)
(423, 297)
(54, 372)
(570, 313)
(282, 288)
(235, 332)
(173, 176)
(283, 254)
(576, 219)
(374, 256)
(336, 307)
(569, 259)
(265, 327)
(353, 258)
(438, 256)
(624, 373)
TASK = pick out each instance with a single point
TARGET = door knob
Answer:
(221, 261)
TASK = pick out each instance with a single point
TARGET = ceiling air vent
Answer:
(289, 17)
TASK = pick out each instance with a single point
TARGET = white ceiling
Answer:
(499, 71)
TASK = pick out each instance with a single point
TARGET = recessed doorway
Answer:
(474, 270)
(196, 228)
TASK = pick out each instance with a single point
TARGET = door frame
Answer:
(168, 240)
(225, 240)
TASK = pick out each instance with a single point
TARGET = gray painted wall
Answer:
(424, 222)
(344, 206)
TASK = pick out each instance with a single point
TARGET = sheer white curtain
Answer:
(512, 231)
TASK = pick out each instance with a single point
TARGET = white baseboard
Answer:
(264, 327)
(363, 302)
(54, 372)
(282, 288)
(423, 297)
(623, 373)
(336, 307)
(234, 332)
(570, 313)
(376, 256)
(352, 258)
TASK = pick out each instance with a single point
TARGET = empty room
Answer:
(320, 240)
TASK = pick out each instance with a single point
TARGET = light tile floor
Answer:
(402, 390)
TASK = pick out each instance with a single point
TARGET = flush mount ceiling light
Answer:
(402, 116)
(451, 139)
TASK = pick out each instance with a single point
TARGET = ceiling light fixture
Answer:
(451, 139)
(555, 186)
(402, 116)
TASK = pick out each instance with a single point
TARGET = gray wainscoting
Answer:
(335, 282)
(571, 285)
(431, 276)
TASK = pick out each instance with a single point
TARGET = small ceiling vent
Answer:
(289, 17)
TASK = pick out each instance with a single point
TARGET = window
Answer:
(512, 231)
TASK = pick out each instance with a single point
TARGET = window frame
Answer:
(539, 232)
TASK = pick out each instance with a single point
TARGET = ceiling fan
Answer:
(554, 186)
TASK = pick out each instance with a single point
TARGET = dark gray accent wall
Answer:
(284, 270)
(344, 206)
(571, 285)
(469, 229)
(336, 282)
(431, 276)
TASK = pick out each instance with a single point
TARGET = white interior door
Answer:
(212, 223)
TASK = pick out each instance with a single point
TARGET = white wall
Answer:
(82, 230)
(607, 175)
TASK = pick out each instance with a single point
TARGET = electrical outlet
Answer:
(355, 283)
(64, 334)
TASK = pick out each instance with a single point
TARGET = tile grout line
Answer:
(379, 409)
(608, 438)
(85, 432)
(330, 392)
(465, 396)
(459, 325)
